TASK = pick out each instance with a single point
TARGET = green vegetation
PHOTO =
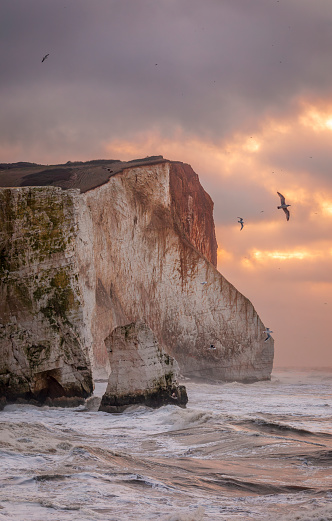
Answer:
(37, 354)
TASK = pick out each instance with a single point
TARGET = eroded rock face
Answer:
(136, 242)
(148, 249)
(43, 353)
(192, 210)
(142, 373)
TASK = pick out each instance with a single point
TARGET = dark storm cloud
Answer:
(119, 67)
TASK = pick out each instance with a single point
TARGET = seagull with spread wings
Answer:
(268, 332)
(44, 57)
(241, 222)
(283, 205)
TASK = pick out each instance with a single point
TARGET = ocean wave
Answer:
(48, 503)
(185, 418)
(321, 458)
(196, 515)
(143, 481)
(315, 514)
(273, 427)
(51, 477)
(257, 488)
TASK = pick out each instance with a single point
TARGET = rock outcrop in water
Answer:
(142, 373)
(110, 244)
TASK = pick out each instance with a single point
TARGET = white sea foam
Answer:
(196, 515)
(312, 513)
(184, 418)
(237, 452)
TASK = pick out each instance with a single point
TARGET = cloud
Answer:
(292, 296)
(240, 90)
(221, 67)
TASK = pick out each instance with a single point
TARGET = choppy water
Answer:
(237, 452)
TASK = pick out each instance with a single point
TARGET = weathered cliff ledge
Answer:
(93, 246)
(142, 373)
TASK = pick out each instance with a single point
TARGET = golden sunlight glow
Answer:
(191, 150)
(246, 263)
(327, 207)
(317, 120)
(224, 255)
(218, 159)
(328, 123)
(229, 158)
(252, 145)
(263, 256)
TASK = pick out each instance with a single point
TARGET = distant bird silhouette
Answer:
(212, 346)
(44, 58)
(241, 222)
(268, 332)
(283, 205)
(204, 282)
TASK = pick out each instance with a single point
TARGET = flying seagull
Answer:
(241, 222)
(204, 282)
(268, 332)
(212, 346)
(44, 58)
(283, 205)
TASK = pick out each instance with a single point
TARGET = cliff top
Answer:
(83, 175)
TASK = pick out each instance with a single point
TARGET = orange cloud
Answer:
(315, 118)
(224, 255)
(326, 207)
(262, 256)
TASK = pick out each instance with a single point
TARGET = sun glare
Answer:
(327, 207)
(328, 123)
(263, 256)
(252, 145)
(317, 120)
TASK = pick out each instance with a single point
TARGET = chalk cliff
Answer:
(149, 243)
(127, 241)
(42, 348)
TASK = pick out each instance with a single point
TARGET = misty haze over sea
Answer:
(237, 452)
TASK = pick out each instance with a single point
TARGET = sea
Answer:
(237, 452)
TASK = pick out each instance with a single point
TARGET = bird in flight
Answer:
(268, 332)
(283, 205)
(44, 57)
(204, 282)
(241, 222)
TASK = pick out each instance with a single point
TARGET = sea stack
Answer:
(142, 373)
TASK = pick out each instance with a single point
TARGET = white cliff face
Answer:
(142, 265)
(43, 353)
(75, 266)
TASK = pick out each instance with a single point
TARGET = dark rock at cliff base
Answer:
(142, 373)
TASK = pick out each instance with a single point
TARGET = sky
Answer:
(239, 89)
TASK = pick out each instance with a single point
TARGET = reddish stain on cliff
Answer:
(192, 210)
